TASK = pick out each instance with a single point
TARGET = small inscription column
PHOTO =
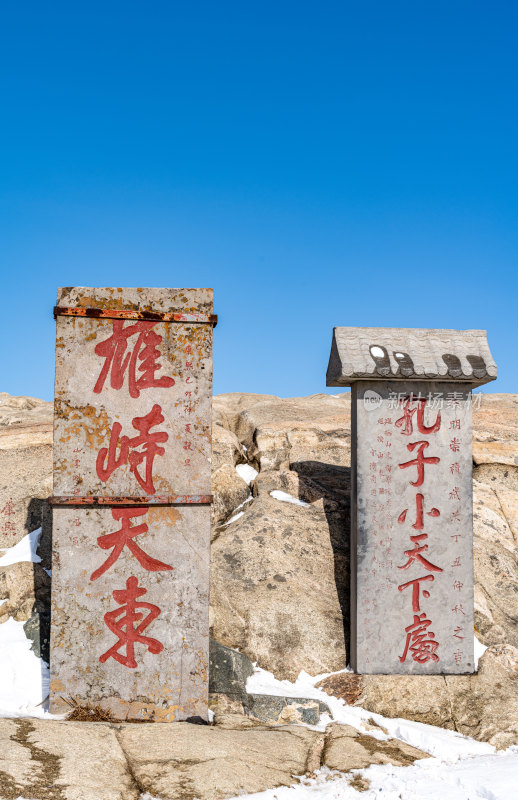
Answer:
(412, 521)
(131, 519)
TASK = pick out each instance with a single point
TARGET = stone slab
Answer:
(388, 567)
(88, 405)
(172, 684)
(49, 760)
(130, 583)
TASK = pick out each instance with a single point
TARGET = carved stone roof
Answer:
(409, 354)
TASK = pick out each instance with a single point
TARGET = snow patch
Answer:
(480, 649)
(490, 777)
(246, 472)
(438, 742)
(24, 678)
(238, 515)
(25, 550)
(288, 498)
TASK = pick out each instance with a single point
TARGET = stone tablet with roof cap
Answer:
(411, 494)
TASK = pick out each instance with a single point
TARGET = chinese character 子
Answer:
(419, 462)
(124, 538)
(415, 590)
(420, 641)
(406, 421)
(419, 524)
(416, 555)
(143, 358)
(128, 623)
(108, 460)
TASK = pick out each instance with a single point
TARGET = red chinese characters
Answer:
(120, 359)
(131, 363)
(128, 624)
(124, 537)
(420, 642)
(128, 449)
(8, 511)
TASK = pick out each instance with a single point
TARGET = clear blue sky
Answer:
(318, 164)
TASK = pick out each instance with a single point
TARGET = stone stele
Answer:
(130, 582)
(411, 494)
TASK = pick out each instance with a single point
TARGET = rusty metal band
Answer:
(146, 316)
(156, 500)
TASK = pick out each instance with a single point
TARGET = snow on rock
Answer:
(287, 498)
(479, 649)
(24, 678)
(438, 742)
(486, 777)
(25, 550)
(247, 472)
(239, 513)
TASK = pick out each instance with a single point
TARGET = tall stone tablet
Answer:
(411, 494)
(131, 504)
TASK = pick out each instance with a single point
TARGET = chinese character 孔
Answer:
(406, 421)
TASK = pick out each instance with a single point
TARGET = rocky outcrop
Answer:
(25, 588)
(25, 469)
(280, 570)
(280, 555)
(39, 759)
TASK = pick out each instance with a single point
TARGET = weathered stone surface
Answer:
(483, 705)
(226, 448)
(495, 429)
(274, 710)
(412, 548)
(164, 685)
(132, 420)
(424, 698)
(320, 477)
(409, 354)
(45, 760)
(486, 705)
(278, 575)
(345, 685)
(191, 761)
(228, 670)
(233, 711)
(26, 588)
(228, 674)
(25, 465)
(346, 749)
(229, 491)
(48, 760)
(37, 630)
(323, 481)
